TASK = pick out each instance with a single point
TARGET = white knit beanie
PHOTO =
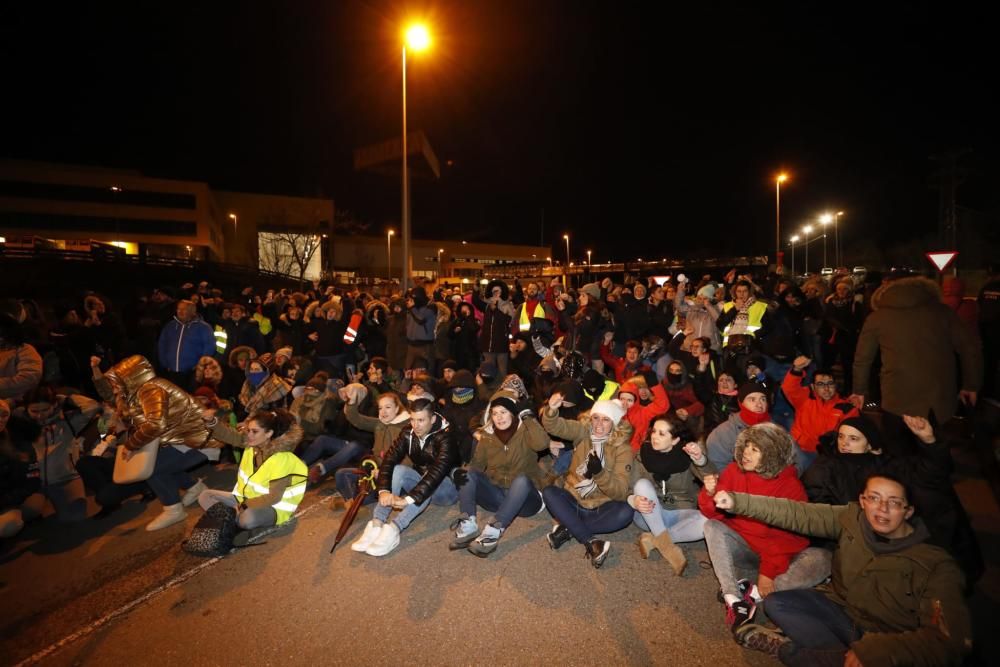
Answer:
(612, 409)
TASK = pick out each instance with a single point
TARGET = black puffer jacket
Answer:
(433, 457)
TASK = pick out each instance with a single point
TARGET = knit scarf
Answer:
(505, 435)
(739, 325)
(586, 486)
(753, 418)
(663, 464)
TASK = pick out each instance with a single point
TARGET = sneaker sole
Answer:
(459, 544)
(383, 551)
(481, 551)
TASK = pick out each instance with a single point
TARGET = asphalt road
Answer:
(107, 592)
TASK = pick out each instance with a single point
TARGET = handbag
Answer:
(214, 533)
(139, 466)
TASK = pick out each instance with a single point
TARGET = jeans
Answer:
(346, 481)
(68, 498)
(335, 452)
(733, 559)
(170, 473)
(819, 629)
(521, 499)
(581, 522)
(97, 473)
(405, 478)
(683, 525)
(258, 517)
(562, 462)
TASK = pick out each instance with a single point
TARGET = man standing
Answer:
(183, 341)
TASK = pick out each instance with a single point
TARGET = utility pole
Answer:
(947, 179)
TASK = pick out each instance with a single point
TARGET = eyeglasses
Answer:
(894, 504)
(825, 384)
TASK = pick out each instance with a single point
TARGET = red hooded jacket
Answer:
(813, 416)
(774, 546)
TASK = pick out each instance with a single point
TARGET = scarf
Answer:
(507, 434)
(753, 418)
(739, 325)
(663, 464)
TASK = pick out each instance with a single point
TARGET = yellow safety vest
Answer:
(221, 339)
(524, 322)
(252, 484)
(610, 389)
(754, 316)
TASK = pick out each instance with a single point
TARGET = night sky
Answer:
(637, 131)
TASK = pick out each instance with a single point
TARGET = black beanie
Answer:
(504, 402)
(867, 428)
(748, 388)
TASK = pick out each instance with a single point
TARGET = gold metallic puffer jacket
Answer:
(157, 408)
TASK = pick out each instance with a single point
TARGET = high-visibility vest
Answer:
(524, 322)
(754, 316)
(252, 483)
(610, 389)
(221, 339)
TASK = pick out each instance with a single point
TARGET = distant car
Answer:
(827, 271)
(860, 269)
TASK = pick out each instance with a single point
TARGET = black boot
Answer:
(558, 536)
(597, 551)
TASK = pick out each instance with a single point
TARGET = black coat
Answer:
(433, 458)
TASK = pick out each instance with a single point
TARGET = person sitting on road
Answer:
(721, 441)
(623, 367)
(271, 480)
(752, 559)
(592, 496)
(392, 418)
(502, 477)
(724, 402)
(893, 598)
(818, 407)
(19, 474)
(664, 492)
(428, 443)
(643, 397)
(684, 403)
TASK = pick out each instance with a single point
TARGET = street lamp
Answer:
(440, 270)
(807, 230)
(779, 179)
(794, 239)
(418, 39)
(388, 254)
(232, 216)
(836, 236)
(588, 264)
(825, 220)
(549, 259)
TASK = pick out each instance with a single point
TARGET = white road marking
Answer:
(129, 606)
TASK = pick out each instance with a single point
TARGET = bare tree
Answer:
(288, 252)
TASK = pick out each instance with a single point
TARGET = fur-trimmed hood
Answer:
(775, 445)
(241, 349)
(911, 292)
(376, 314)
(286, 442)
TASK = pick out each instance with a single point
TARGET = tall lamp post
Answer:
(836, 236)
(566, 271)
(794, 239)
(779, 179)
(388, 254)
(418, 39)
(440, 269)
(588, 265)
(807, 230)
(825, 220)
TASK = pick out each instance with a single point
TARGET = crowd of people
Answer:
(795, 428)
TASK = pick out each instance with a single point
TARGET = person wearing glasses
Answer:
(893, 598)
(818, 407)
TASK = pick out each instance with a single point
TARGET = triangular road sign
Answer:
(942, 259)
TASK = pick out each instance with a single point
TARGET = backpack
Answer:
(213, 534)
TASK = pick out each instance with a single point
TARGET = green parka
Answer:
(908, 603)
(502, 463)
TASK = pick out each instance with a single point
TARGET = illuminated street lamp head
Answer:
(566, 237)
(826, 219)
(781, 178)
(417, 37)
(795, 239)
(391, 232)
(232, 216)
(807, 229)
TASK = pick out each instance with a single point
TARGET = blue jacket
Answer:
(182, 345)
(420, 324)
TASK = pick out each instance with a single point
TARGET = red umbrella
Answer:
(365, 484)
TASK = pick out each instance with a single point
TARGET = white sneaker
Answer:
(170, 515)
(371, 532)
(387, 540)
(191, 495)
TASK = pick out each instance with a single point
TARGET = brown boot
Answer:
(646, 544)
(670, 552)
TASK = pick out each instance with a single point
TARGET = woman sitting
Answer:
(665, 494)
(744, 550)
(503, 476)
(592, 497)
(271, 479)
(392, 417)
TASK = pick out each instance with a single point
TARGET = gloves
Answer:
(460, 477)
(527, 413)
(594, 465)
(650, 378)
